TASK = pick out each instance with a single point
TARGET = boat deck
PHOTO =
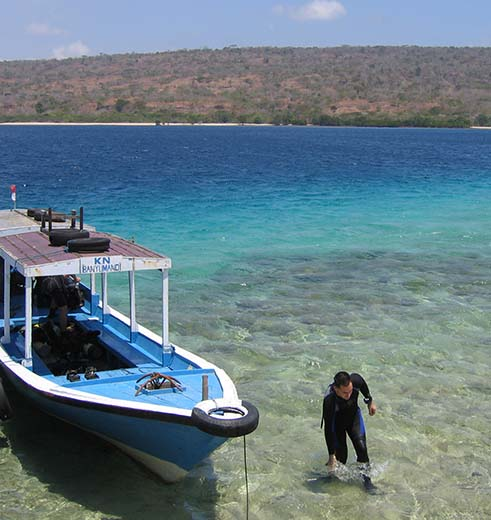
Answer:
(135, 361)
(122, 384)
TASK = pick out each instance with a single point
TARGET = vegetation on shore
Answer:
(359, 86)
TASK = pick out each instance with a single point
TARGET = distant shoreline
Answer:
(53, 123)
(347, 86)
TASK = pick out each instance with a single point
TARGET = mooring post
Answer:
(204, 388)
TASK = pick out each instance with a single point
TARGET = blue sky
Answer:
(65, 28)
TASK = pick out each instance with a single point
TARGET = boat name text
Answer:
(101, 264)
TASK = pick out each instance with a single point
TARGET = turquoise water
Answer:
(296, 252)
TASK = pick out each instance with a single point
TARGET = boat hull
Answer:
(168, 445)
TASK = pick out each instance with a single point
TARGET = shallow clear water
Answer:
(296, 252)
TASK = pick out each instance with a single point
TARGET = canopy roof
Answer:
(16, 221)
(31, 254)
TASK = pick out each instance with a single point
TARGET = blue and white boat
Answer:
(107, 374)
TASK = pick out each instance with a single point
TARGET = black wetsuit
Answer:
(54, 287)
(343, 417)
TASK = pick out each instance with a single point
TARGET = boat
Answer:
(105, 372)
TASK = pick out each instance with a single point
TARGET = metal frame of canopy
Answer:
(31, 255)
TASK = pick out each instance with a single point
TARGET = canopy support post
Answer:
(165, 313)
(27, 362)
(133, 324)
(93, 305)
(104, 296)
(6, 303)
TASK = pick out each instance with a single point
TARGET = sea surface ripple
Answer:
(296, 252)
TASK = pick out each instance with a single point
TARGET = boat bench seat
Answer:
(118, 345)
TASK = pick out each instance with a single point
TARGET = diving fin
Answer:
(369, 485)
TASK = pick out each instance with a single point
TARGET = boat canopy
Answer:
(31, 254)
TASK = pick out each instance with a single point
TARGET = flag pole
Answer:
(13, 195)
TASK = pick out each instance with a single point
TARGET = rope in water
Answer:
(246, 479)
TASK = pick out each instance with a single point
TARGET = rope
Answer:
(246, 479)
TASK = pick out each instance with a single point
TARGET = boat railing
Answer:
(73, 217)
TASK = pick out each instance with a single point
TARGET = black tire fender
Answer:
(5, 408)
(31, 212)
(59, 237)
(225, 418)
(88, 245)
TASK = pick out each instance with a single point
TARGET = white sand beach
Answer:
(53, 123)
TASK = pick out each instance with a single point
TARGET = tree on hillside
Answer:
(120, 104)
(39, 108)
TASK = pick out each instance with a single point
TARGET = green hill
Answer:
(410, 86)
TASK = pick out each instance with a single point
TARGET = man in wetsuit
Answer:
(341, 415)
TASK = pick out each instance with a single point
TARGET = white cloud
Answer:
(43, 29)
(73, 50)
(325, 10)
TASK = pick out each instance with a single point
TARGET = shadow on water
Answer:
(80, 470)
(318, 482)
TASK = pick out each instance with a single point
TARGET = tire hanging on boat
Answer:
(88, 245)
(60, 237)
(228, 420)
(5, 408)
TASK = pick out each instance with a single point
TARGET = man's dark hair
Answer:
(342, 379)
